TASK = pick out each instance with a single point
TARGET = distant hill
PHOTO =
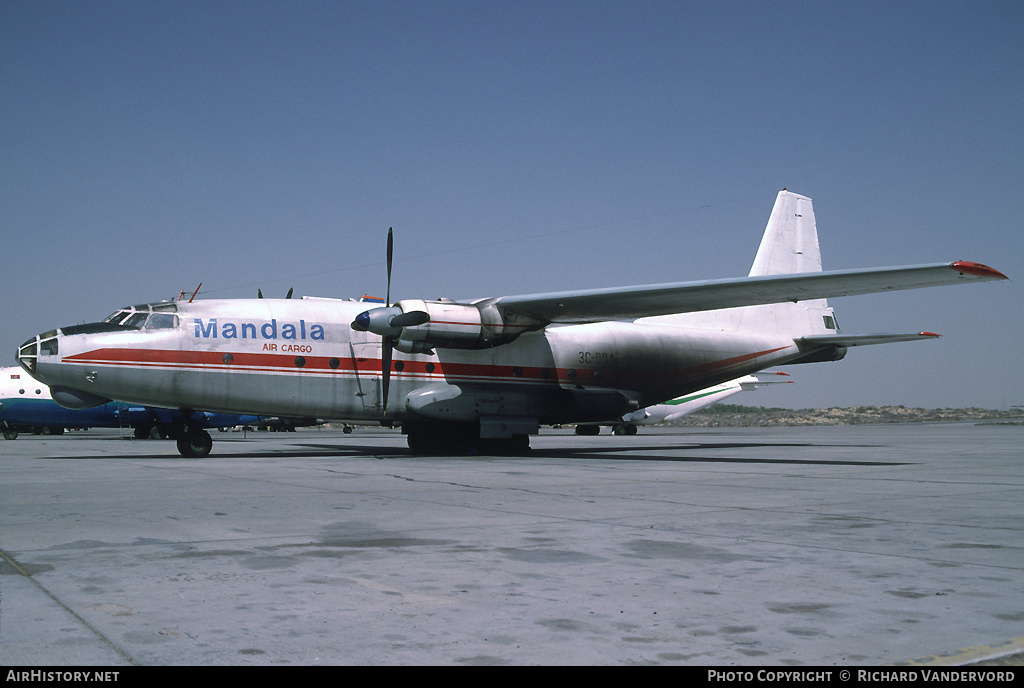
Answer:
(731, 415)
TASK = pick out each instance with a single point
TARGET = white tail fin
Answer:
(789, 246)
(790, 241)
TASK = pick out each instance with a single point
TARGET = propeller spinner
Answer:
(388, 322)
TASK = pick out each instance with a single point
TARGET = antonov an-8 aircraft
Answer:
(484, 373)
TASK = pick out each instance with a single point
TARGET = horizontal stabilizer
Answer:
(848, 340)
(756, 380)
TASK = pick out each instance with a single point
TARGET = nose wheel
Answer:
(195, 443)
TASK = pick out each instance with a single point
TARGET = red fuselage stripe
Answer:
(266, 362)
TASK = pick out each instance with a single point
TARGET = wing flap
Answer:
(686, 297)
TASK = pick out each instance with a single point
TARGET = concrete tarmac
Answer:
(815, 546)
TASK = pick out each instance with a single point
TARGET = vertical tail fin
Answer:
(790, 241)
(790, 245)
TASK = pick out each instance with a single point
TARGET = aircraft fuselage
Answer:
(303, 358)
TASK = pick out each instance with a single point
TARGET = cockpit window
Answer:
(155, 316)
(136, 320)
(117, 318)
(162, 321)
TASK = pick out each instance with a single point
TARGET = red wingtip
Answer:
(929, 334)
(977, 269)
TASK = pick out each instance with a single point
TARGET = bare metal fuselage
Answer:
(302, 358)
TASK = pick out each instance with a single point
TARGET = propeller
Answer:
(388, 322)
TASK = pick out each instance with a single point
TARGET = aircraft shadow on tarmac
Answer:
(639, 453)
(681, 453)
(620, 453)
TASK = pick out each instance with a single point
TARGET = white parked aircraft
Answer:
(682, 406)
(486, 372)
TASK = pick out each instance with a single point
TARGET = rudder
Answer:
(790, 241)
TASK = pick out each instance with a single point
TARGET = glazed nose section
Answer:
(45, 344)
(27, 353)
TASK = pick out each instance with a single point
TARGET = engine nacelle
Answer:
(458, 326)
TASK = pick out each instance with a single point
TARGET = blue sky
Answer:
(517, 147)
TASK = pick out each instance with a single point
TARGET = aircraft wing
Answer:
(686, 297)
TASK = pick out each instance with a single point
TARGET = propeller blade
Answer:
(386, 369)
(387, 342)
(410, 319)
(391, 250)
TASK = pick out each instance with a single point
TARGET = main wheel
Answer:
(195, 444)
(441, 438)
(517, 445)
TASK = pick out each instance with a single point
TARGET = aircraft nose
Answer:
(27, 353)
(45, 344)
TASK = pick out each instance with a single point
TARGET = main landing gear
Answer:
(194, 443)
(461, 439)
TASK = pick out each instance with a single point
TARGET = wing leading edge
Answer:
(687, 297)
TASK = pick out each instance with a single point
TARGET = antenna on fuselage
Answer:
(259, 293)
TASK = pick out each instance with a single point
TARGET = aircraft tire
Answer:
(147, 432)
(195, 444)
(10, 434)
(441, 438)
(510, 446)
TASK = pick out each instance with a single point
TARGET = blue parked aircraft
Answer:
(27, 406)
